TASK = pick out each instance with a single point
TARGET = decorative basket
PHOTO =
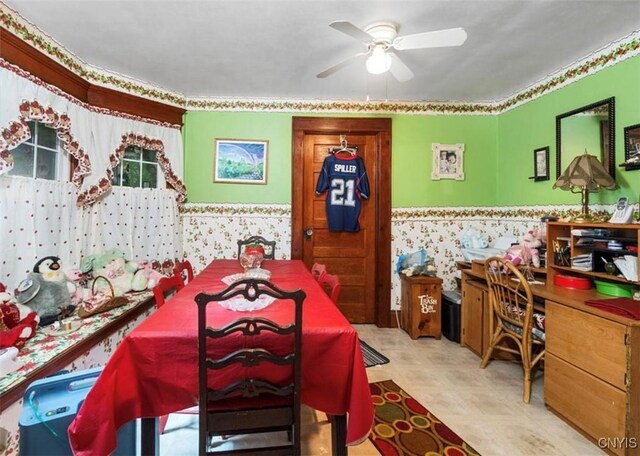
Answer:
(99, 301)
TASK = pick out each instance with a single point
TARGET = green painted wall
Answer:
(532, 125)
(498, 157)
(412, 137)
(411, 165)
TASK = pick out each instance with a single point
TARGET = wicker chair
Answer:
(511, 318)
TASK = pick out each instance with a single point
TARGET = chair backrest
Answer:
(269, 246)
(165, 287)
(331, 284)
(317, 270)
(263, 406)
(182, 269)
(510, 297)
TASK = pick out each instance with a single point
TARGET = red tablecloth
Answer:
(154, 371)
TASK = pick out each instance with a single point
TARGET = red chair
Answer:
(181, 268)
(167, 286)
(331, 284)
(317, 270)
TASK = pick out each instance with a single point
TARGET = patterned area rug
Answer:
(371, 356)
(402, 426)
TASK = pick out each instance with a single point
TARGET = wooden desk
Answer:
(592, 360)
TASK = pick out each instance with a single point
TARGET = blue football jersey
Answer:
(345, 178)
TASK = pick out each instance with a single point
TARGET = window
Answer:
(138, 168)
(39, 155)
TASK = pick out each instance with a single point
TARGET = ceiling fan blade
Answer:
(329, 71)
(398, 69)
(348, 28)
(438, 38)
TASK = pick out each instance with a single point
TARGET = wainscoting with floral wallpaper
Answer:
(211, 231)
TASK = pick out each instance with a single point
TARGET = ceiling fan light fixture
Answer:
(379, 61)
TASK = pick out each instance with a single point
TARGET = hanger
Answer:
(343, 147)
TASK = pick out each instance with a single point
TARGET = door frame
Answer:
(381, 128)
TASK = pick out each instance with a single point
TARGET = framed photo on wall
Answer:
(448, 161)
(632, 147)
(240, 161)
(541, 164)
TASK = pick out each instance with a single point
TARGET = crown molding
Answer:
(615, 52)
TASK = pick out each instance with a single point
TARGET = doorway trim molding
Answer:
(381, 128)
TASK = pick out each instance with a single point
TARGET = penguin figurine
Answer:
(45, 290)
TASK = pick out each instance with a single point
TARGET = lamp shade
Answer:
(585, 172)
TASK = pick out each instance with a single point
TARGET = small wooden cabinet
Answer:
(421, 306)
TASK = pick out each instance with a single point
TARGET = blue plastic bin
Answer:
(49, 407)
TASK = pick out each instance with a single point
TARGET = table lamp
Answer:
(585, 174)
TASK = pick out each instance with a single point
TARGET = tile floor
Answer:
(484, 407)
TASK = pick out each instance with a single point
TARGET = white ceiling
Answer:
(274, 48)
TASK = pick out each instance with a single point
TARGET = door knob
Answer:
(308, 233)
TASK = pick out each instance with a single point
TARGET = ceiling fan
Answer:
(382, 40)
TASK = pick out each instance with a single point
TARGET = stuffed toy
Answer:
(148, 279)
(45, 290)
(112, 265)
(81, 292)
(527, 251)
(18, 323)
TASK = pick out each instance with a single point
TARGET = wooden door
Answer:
(354, 257)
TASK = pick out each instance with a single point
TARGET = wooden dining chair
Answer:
(253, 403)
(512, 318)
(166, 287)
(269, 246)
(317, 270)
(331, 284)
(184, 270)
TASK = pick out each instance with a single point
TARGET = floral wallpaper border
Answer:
(611, 54)
(55, 90)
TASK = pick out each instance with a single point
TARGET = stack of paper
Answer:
(582, 262)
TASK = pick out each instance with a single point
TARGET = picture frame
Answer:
(448, 161)
(631, 147)
(242, 161)
(541, 164)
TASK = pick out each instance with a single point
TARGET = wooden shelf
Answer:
(559, 232)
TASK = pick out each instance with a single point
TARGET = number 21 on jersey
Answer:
(342, 192)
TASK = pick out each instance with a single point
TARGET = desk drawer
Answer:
(592, 405)
(592, 343)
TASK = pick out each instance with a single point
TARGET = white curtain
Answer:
(39, 218)
(144, 223)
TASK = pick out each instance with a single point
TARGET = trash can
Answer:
(49, 407)
(451, 302)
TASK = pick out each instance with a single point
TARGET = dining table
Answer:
(154, 370)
